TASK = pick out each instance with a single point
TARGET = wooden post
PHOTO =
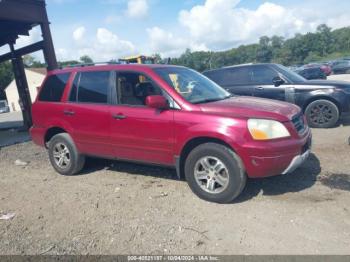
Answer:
(22, 88)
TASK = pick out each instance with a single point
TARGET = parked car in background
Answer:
(311, 73)
(324, 67)
(341, 67)
(323, 101)
(167, 115)
(4, 108)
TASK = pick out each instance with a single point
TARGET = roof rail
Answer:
(91, 64)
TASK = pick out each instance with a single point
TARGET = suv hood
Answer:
(251, 107)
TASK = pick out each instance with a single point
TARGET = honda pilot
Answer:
(170, 116)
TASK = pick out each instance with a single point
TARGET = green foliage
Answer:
(68, 63)
(6, 76)
(86, 59)
(30, 62)
(322, 45)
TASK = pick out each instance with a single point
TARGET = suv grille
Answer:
(299, 123)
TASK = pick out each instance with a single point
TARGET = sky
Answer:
(111, 29)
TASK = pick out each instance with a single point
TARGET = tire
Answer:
(231, 174)
(72, 161)
(322, 114)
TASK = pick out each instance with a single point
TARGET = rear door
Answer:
(139, 132)
(87, 112)
(262, 77)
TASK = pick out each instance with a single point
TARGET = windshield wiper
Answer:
(212, 99)
(207, 100)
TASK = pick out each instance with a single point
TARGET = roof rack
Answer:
(92, 64)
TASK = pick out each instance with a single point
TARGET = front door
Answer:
(263, 86)
(138, 132)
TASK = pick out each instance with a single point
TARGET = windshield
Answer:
(292, 76)
(2, 104)
(191, 85)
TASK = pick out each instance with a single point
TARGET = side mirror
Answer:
(277, 81)
(156, 101)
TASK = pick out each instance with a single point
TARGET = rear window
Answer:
(53, 88)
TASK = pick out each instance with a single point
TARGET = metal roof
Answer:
(18, 17)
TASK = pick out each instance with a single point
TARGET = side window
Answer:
(215, 76)
(53, 88)
(263, 75)
(133, 88)
(93, 87)
(235, 76)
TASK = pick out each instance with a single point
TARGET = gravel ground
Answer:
(122, 208)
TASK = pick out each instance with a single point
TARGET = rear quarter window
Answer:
(53, 88)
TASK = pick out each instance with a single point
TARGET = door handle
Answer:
(68, 112)
(119, 116)
(259, 88)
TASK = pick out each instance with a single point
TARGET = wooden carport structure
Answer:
(18, 17)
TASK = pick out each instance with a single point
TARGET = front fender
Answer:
(231, 131)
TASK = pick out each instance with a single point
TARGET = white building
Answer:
(35, 77)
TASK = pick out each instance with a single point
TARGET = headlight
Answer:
(263, 129)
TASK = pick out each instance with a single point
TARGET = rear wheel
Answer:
(322, 114)
(64, 156)
(215, 173)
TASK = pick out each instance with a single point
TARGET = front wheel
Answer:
(215, 173)
(322, 114)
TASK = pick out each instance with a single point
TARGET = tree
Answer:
(86, 59)
(67, 63)
(310, 47)
(6, 76)
(264, 52)
(325, 37)
(30, 62)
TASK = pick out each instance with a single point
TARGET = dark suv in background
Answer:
(323, 101)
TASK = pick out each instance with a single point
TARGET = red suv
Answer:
(171, 116)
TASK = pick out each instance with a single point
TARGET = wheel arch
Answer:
(190, 145)
(51, 132)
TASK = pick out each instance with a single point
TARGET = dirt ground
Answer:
(122, 208)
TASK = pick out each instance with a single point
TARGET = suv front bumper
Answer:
(296, 162)
(276, 158)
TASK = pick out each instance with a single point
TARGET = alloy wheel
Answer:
(61, 155)
(211, 174)
(321, 114)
